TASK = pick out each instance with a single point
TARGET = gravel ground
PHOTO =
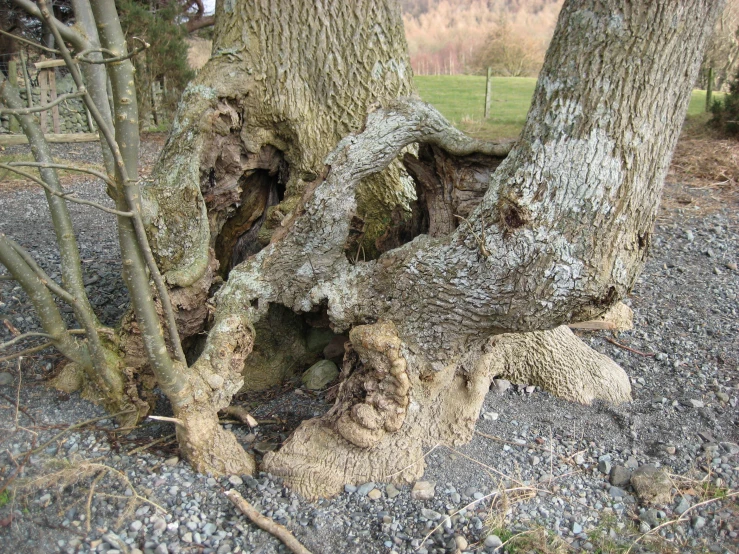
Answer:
(572, 473)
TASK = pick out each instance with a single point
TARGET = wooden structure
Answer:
(48, 94)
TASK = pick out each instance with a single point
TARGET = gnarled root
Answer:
(384, 417)
(559, 362)
(380, 379)
(317, 461)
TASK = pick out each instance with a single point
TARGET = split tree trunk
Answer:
(286, 81)
(559, 236)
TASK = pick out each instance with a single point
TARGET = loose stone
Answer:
(423, 490)
(619, 476)
(651, 484)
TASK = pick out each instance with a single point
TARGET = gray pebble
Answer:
(430, 514)
(364, 489)
(617, 492)
(209, 528)
(136, 526)
(501, 385)
(619, 476)
(682, 506)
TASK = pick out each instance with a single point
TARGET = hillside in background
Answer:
(465, 36)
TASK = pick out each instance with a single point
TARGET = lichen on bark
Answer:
(556, 236)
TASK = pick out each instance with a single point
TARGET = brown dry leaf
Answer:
(13, 331)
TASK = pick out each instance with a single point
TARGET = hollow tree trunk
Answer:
(559, 236)
(286, 81)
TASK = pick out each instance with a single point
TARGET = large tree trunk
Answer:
(559, 235)
(286, 81)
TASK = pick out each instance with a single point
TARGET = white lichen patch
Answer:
(581, 176)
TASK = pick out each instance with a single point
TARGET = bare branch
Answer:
(130, 190)
(29, 42)
(98, 174)
(67, 33)
(114, 58)
(59, 100)
(24, 336)
(199, 23)
(26, 352)
(67, 196)
(43, 301)
(48, 282)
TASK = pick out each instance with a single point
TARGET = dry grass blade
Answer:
(67, 473)
(76, 426)
(527, 491)
(386, 477)
(489, 468)
(681, 518)
(536, 540)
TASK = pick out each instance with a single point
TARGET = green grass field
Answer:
(461, 99)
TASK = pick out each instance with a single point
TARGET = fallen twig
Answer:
(169, 419)
(267, 524)
(242, 414)
(639, 352)
(150, 444)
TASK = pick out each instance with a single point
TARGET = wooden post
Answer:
(13, 80)
(55, 109)
(90, 124)
(488, 91)
(27, 79)
(709, 90)
(43, 82)
(154, 114)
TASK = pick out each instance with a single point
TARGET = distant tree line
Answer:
(511, 36)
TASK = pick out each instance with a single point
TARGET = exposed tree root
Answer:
(562, 364)
(370, 436)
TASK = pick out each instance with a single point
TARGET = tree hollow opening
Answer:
(239, 237)
(448, 189)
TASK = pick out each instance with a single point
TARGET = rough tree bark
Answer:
(559, 233)
(286, 81)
